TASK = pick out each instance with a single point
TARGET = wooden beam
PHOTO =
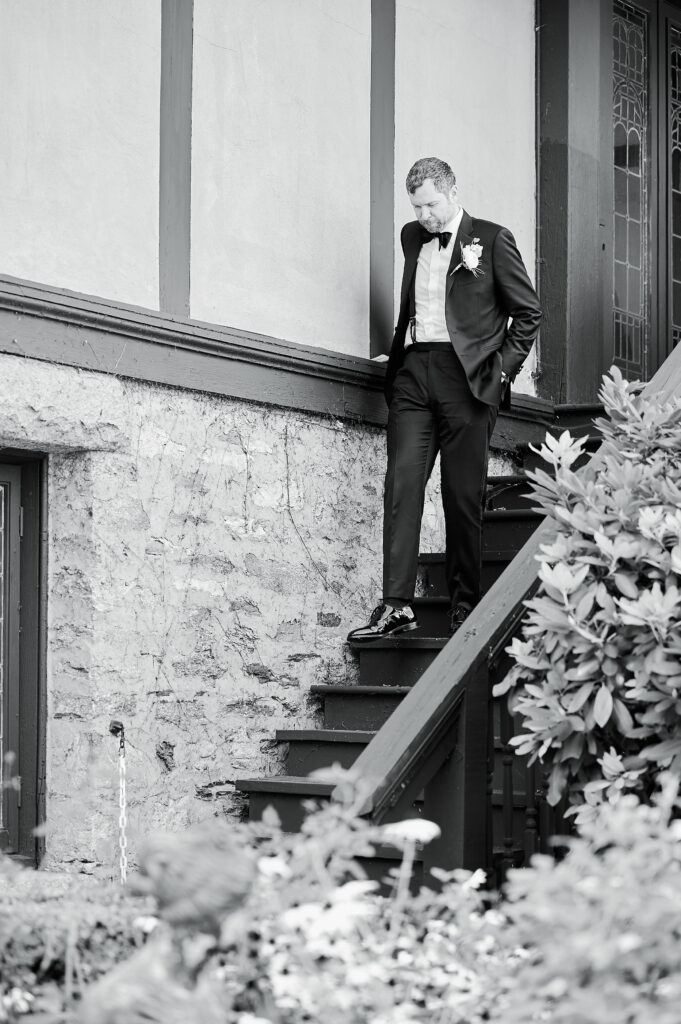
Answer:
(177, 18)
(382, 176)
(394, 755)
(58, 326)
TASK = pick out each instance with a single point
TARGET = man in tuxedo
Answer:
(452, 358)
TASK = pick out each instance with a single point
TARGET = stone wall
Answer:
(206, 560)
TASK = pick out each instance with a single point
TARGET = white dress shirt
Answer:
(430, 287)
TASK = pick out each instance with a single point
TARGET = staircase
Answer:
(435, 743)
(387, 670)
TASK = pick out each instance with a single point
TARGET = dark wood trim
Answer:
(382, 175)
(53, 325)
(41, 646)
(606, 190)
(177, 18)
(77, 330)
(572, 227)
(10, 694)
(32, 639)
(552, 186)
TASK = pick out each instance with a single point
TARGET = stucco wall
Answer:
(79, 124)
(470, 99)
(207, 558)
(280, 169)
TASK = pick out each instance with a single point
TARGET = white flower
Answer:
(470, 258)
(18, 1001)
(412, 830)
(628, 942)
(146, 923)
(273, 867)
(477, 879)
(353, 890)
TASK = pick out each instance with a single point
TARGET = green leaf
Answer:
(662, 751)
(626, 586)
(603, 706)
(585, 605)
(622, 716)
(578, 699)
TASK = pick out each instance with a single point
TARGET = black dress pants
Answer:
(433, 409)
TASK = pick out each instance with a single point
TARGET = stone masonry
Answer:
(207, 557)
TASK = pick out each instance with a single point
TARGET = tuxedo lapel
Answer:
(464, 236)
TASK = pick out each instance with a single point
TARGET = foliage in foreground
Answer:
(59, 934)
(254, 926)
(597, 677)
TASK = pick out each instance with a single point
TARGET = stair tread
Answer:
(296, 784)
(403, 641)
(327, 735)
(506, 478)
(496, 515)
(359, 689)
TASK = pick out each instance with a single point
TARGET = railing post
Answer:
(456, 796)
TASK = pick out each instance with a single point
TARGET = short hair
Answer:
(438, 171)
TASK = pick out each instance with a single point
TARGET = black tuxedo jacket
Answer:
(477, 308)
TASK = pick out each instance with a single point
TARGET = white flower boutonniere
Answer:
(470, 258)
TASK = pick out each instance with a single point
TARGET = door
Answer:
(10, 537)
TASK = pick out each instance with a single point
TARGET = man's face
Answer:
(433, 209)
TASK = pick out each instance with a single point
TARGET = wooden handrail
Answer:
(392, 758)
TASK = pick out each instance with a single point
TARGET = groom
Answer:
(452, 358)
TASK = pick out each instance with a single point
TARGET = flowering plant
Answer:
(470, 258)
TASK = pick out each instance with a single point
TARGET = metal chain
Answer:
(118, 729)
(122, 818)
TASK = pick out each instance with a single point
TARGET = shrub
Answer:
(303, 937)
(598, 933)
(311, 939)
(57, 935)
(593, 939)
(597, 675)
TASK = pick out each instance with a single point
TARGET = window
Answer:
(646, 71)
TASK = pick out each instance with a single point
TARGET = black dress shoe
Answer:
(385, 621)
(457, 616)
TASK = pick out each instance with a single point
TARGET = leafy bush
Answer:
(57, 935)
(597, 677)
(598, 933)
(255, 926)
(593, 939)
(309, 938)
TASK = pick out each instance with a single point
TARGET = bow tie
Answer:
(444, 237)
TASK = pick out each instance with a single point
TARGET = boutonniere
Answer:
(470, 258)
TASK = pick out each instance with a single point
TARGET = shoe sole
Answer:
(393, 632)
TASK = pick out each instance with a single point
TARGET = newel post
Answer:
(456, 797)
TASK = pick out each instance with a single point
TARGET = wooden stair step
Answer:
(310, 749)
(396, 660)
(358, 707)
(286, 794)
(507, 491)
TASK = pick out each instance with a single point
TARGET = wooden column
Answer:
(382, 174)
(177, 17)
(575, 227)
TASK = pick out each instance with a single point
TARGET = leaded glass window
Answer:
(674, 64)
(631, 298)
